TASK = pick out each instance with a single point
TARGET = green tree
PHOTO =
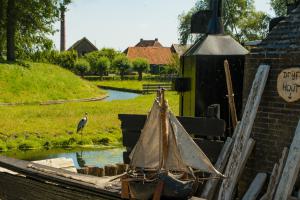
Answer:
(174, 66)
(122, 64)
(141, 65)
(238, 14)
(82, 67)
(28, 24)
(279, 7)
(102, 64)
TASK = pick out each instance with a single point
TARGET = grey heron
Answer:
(82, 123)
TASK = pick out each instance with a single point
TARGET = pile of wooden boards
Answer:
(237, 149)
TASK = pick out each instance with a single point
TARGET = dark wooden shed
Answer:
(203, 66)
(83, 46)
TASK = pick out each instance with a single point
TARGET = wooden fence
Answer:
(148, 88)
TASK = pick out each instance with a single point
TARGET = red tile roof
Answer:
(148, 43)
(155, 55)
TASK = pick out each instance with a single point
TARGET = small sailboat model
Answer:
(164, 157)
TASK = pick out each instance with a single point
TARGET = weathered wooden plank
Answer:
(60, 163)
(21, 167)
(255, 187)
(275, 176)
(211, 149)
(211, 185)
(242, 134)
(291, 169)
(20, 188)
(197, 126)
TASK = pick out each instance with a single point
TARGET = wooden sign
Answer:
(288, 84)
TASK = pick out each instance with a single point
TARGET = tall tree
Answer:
(2, 26)
(29, 23)
(11, 29)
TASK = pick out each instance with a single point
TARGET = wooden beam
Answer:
(230, 96)
(242, 134)
(255, 187)
(211, 185)
(198, 126)
(291, 169)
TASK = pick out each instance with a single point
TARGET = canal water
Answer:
(119, 95)
(80, 157)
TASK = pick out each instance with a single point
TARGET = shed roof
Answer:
(180, 49)
(155, 55)
(222, 45)
(84, 39)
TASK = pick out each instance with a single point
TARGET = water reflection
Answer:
(81, 157)
(118, 95)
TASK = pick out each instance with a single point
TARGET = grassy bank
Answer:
(42, 82)
(34, 126)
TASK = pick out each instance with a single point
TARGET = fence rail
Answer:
(148, 88)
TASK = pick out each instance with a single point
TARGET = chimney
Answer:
(156, 39)
(62, 29)
(141, 40)
(215, 25)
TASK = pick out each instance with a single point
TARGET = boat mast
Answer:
(164, 128)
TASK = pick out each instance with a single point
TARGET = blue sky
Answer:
(121, 23)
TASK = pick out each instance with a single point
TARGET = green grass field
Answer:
(34, 126)
(133, 85)
(42, 82)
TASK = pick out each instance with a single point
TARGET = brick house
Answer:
(83, 46)
(157, 55)
(276, 119)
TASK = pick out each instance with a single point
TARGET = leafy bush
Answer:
(3, 146)
(66, 59)
(81, 67)
(101, 65)
(122, 64)
(141, 65)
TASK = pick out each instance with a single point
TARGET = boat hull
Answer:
(172, 188)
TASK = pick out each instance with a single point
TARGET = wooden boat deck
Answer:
(43, 182)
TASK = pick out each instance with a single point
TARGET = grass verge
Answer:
(52, 126)
(42, 82)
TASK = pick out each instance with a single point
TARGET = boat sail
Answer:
(165, 152)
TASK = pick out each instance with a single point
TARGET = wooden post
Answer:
(125, 191)
(275, 176)
(255, 187)
(164, 127)
(230, 95)
(158, 191)
(110, 170)
(291, 169)
(121, 168)
(242, 135)
(99, 172)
